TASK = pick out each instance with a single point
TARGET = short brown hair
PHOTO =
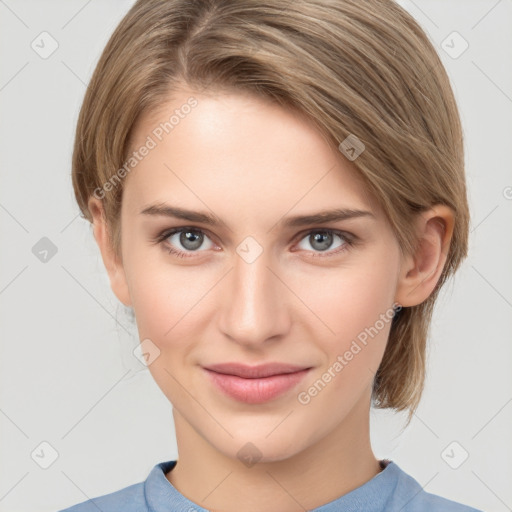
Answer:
(353, 67)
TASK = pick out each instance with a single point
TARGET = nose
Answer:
(254, 302)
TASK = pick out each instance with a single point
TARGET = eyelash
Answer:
(348, 239)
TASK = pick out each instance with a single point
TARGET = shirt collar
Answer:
(372, 496)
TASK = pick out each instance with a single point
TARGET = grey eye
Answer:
(321, 240)
(189, 239)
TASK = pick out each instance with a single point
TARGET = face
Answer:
(255, 285)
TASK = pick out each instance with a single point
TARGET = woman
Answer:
(277, 189)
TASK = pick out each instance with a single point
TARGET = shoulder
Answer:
(128, 499)
(409, 496)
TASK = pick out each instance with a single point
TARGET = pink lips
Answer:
(255, 384)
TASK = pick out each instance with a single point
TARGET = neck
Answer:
(333, 466)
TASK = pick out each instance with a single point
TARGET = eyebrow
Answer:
(321, 217)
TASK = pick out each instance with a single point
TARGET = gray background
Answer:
(68, 375)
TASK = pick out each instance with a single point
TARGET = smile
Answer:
(254, 385)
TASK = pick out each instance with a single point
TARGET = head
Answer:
(246, 111)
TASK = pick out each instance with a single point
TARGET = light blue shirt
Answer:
(391, 490)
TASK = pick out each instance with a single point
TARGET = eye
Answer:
(190, 239)
(322, 239)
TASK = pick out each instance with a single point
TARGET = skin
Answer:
(251, 164)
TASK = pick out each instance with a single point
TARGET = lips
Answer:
(255, 372)
(255, 384)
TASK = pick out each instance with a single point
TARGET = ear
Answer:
(112, 263)
(420, 272)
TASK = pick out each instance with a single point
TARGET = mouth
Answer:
(255, 384)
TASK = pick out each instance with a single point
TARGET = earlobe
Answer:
(112, 263)
(421, 271)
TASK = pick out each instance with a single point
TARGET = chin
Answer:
(250, 447)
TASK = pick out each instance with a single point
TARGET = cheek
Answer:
(167, 299)
(357, 308)
(355, 304)
(168, 306)
(349, 299)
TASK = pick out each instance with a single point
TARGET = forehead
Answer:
(238, 151)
